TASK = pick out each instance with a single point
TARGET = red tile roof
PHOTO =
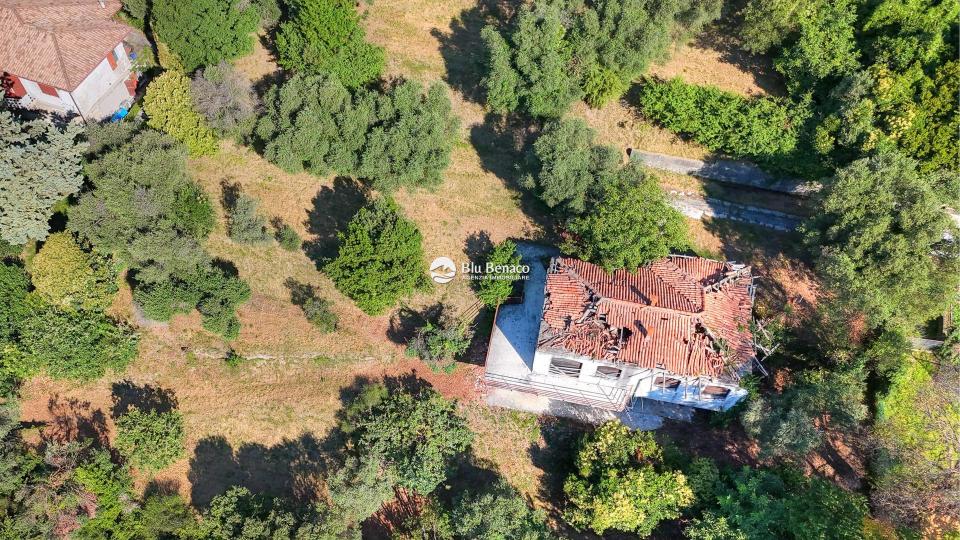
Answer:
(688, 315)
(57, 42)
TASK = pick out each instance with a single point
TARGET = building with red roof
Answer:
(677, 330)
(66, 56)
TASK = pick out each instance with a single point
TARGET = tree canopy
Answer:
(325, 36)
(879, 240)
(204, 32)
(169, 108)
(40, 164)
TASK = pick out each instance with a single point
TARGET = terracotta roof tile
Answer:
(57, 42)
(688, 315)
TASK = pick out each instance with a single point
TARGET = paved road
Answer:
(740, 173)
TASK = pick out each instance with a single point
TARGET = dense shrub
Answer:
(417, 434)
(150, 440)
(495, 512)
(244, 224)
(40, 164)
(287, 237)
(169, 108)
(204, 32)
(629, 224)
(616, 484)
(76, 345)
(325, 36)
(764, 129)
(440, 344)
(67, 277)
(397, 138)
(565, 167)
(225, 98)
(14, 285)
(317, 310)
(380, 257)
(497, 285)
(880, 220)
(238, 513)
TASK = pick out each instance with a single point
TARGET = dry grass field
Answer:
(257, 423)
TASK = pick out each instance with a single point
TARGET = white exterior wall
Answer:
(637, 380)
(96, 95)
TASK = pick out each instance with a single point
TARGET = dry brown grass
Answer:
(270, 401)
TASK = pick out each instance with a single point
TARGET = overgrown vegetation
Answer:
(204, 32)
(225, 98)
(440, 343)
(169, 108)
(499, 278)
(150, 440)
(397, 138)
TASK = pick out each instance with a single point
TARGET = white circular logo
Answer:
(442, 270)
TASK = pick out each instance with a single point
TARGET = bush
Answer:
(616, 486)
(76, 345)
(42, 164)
(287, 237)
(169, 108)
(628, 225)
(150, 440)
(768, 130)
(439, 345)
(204, 32)
(244, 224)
(497, 285)
(418, 435)
(225, 98)
(496, 512)
(565, 166)
(397, 138)
(325, 36)
(317, 311)
(380, 257)
(14, 309)
(69, 278)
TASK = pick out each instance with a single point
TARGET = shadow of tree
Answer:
(478, 246)
(75, 420)
(332, 209)
(405, 321)
(554, 456)
(292, 469)
(300, 292)
(127, 394)
(229, 193)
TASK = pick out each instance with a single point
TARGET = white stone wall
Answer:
(59, 103)
(98, 85)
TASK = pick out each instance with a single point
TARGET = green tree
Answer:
(879, 240)
(824, 46)
(150, 440)
(399, 137)
(712, 527)
(565, 166)
(163, 517)
(497, 512)
(356, 490)
(380, 257)
(417, 434)
(14, 285)
(498, 280)
(169, 108)
(68, 277)
(931, 138)
(792, 424)
(616, 486)
(537, 78)
(40, 164)
(325, 36)
(238, 514)
(204, 32)
(630, 223)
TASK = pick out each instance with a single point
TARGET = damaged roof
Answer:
(688, 315)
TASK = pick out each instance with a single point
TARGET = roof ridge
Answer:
(675, 288)
(63, 66)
